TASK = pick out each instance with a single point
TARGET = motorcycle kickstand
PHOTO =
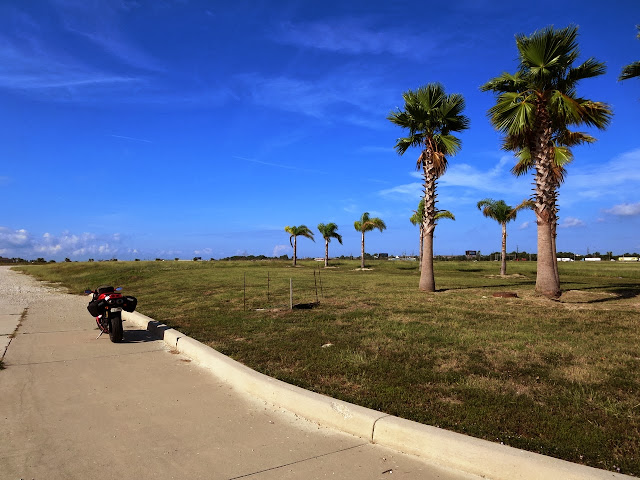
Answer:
(101, 331)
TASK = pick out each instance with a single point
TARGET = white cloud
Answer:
(204, 251)
(602, 179)
(524, 225)
(20, 243)
(625, 209)
(571, 222)
(495, 180)
(14, 238)
(279, 250)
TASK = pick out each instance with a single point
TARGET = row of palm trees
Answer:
(329, 231)
(535, 109)
(496, 209)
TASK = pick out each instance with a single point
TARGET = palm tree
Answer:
(418, 219)
(430, 116)
(295, 232)
(328, 232)
(534, 109)
(366, 224)
(633, 69)
(503, 214)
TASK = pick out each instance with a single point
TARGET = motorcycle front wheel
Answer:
(116, 332)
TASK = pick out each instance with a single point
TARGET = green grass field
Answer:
(560, 377)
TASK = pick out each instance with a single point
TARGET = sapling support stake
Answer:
(315, 281)
(291, 294)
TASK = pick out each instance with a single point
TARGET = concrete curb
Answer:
(448, 449)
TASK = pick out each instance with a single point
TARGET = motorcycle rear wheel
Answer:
(116, 332)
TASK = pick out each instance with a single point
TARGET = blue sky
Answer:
(144, 129)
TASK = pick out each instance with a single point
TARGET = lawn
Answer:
(560, 377)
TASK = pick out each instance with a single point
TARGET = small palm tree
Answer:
(418, 219)
(328, 232)
(431, 117)
(366, 224)
(633, 69)
(503, 214)
(295, 232)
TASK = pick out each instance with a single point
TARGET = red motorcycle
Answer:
(106, 306)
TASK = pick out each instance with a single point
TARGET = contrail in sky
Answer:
(131, 138)
(288, 167)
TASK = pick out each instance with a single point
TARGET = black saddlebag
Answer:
(95, 307)
(129, 303)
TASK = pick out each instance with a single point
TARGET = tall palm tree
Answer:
(534, 109)
(503, 214)
(295, 232)
(418, 219)
(328, 232)
(633, 69)
(430, 116)
(366, 224)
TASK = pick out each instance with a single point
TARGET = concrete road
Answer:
(74, 407)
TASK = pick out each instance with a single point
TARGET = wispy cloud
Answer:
(27, 69)
(571, 222)
(99, 22)
(34, 60)
(345, 95)
(496, 180)
(590, 182)
(355, 37)
(377, 149)
(625, 210)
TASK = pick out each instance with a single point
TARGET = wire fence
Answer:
(282, 291)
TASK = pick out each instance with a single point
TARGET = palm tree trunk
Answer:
(421, 246)
(295, 248)
(362, 252)
(503, 265)
(427, 279)
(554, 233)
(547, 281)
(326, 253)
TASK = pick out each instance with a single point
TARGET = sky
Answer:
(176, 128)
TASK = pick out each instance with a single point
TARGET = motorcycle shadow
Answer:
(138, 336)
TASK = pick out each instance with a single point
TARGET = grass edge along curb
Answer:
(448, 449)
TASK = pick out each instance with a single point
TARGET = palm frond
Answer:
(630, 71)
(430, 114)
(444, 214)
